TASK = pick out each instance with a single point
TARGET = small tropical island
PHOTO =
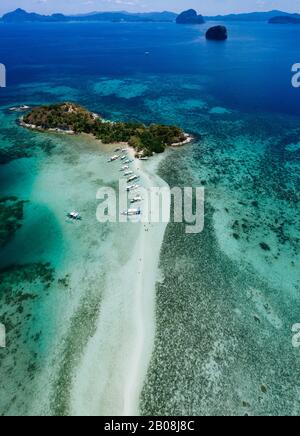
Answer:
(74, 119)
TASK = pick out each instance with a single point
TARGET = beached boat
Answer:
(132, 178)
(124, 168)
(132, 212)
(136, 199)
(132, 187)
(128, 173)
(114, 158)
(144, 158)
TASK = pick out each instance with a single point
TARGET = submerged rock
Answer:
(217, 33)
(264, 246)
(264, 389)
(190, 17)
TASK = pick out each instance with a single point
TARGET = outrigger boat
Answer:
(114, 158)
(128, 161)
(22, 108)
(123, 157)
(136, 199)
(124, 168)
(132, 212)
(128, 173)
(74, 216)
(132, 178)
(132, 187)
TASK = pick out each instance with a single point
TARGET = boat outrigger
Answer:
(136, 199)
(132, 187)
(114, 158)
(124, 168)
(22, 108)
(132, 212)
(132, 178)
(74, 216)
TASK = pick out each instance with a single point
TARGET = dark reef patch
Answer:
(264, 246)
(11, 216)
(21, 144)
(22, 287)
(220, 323)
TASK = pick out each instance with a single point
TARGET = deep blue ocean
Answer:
(252, 71)
(228, 298)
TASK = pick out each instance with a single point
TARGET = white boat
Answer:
(136, 199)
(124, 168)
(128, 161)
(128, 173)
(124, 150)
(74, 216)
(123, 157)
(132, 178)
(20, 108)
(114, 158)
(144, 158)
(132, 187)
(132, 212)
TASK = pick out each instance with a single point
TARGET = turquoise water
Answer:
(228, 297)
(226, 305)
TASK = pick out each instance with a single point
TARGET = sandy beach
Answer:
(109, 374)
(113, 368)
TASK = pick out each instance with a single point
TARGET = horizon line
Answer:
(146, 12)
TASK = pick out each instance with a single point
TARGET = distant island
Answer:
(250, 17)
(285, 19)
(74, 119)
(190, 17)
(187, 17)
(21, 16)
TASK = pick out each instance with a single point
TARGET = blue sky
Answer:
(206, 7)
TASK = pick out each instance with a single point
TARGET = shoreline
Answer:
(188, 137)
(111, 374)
